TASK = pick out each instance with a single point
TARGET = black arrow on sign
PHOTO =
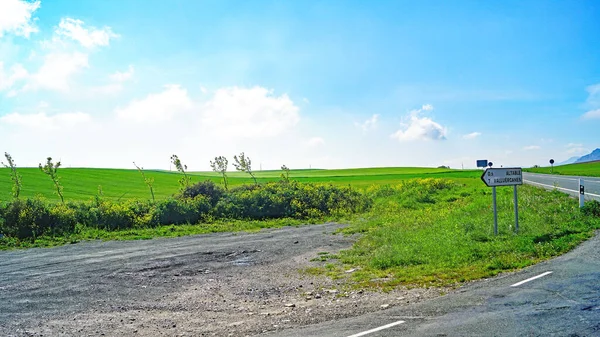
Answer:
(483, 177)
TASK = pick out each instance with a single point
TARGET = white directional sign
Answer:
(504, 176)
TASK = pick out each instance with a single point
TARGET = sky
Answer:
(321, 84)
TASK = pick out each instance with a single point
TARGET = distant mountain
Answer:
(595, 155)
(569, 161)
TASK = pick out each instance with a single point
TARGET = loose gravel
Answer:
(225, 284)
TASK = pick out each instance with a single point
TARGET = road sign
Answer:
(504, 176)
(482, 163)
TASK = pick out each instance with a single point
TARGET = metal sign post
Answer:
(495, 210)
(516, 210)
(508, 176)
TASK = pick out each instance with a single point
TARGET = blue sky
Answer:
(326, 84)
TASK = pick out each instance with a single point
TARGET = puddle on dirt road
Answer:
(242, 261)
(242, 257)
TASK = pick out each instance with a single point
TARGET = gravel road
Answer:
(226, 284)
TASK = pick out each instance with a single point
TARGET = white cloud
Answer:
(253, 112)
(43, 121)
(62, 59)
(16, 17)
(316, 141)
(122, 76)
(532, 147)
(576, 150)
(169, 121)
(108, 89)
(592, 102)
(229, 113)
(157, 108)
(594, 94)
(472, 135)
(369, 124)
(16, 74)
(57, 70)
(420, 128)
(592, 114)
(116, 85)
(88, 37)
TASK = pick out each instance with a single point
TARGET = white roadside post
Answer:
(508, 176)
(581, 193)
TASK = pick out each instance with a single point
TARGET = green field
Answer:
(584, 169)
(120, 184)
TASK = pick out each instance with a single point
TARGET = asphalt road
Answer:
(566, 184)
(565, 302)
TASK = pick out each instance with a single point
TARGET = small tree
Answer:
(286, 174)
(148, 181)
(185, 181)
(220, 166)
(16, 177)
(244, 164)
(51, 170)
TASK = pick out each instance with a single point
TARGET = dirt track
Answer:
(224, 284)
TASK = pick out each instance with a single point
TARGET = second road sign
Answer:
(505, 176)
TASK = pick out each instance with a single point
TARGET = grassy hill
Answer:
(591, 169)
(82, 183)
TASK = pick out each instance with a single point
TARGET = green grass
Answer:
(584, 169)
(82, 183)
(419, 235)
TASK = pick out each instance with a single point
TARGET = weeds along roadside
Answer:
(439, 232)
(202, 207)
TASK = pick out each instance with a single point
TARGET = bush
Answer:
(280, 200)
(32, 218)
(591, 208)
(62, 220)
(181, 211)
(113, 216)
(206, 188)
(25, 218)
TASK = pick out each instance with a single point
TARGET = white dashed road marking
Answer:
(387, 326)
(531, 279)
